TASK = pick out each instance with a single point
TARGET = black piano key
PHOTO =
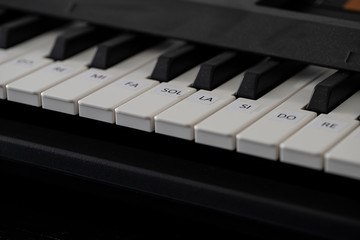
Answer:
(221, 68)
(78, 39)
(262, 78)
(175, 62)
(7, 15)
(332, 91)
(19, 30)
(121, 47)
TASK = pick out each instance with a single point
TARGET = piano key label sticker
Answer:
(285, 116)
(328, 124)
(202, 98)
(133, 85)
(244, 107)
(170, 91)
(95, 76)
(58, 69)
(24, 62)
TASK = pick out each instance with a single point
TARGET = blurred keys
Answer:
(28, 89)
(19, 30)
(8, 15)
(20, 66)
(343, 159)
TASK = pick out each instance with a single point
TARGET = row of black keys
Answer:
(217, 66)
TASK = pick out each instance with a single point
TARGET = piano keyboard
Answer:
(246, 110)
(271, 108)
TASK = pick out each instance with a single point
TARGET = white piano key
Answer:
(27, 90)
(220, 129)
(263, 137)
(308, 146)
(344, 159)
(101, 104)
(179, 120)
(19, 67)
(139, 113)
(64, 97)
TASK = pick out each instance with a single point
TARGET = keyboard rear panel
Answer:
(264, 30)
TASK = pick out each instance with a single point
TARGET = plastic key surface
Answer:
(43, 41)
(139, 113)
(27, 90)
(263, 137)
(19, 67)
(7, 15)
(121, 47)
(333, 91)
(343, 159)
(180, 119)
(308, 146)
(221, 68)
(77, 39)
(64, 97)
(263, 77)
(19, 30)
(177, 61)
(101, 104)
(220, 129)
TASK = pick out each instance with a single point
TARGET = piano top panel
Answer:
(303, 37)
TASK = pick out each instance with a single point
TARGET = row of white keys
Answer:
(139, 113)
(27, 90)
(27, 63)
(344, 159)
(64, 97)
(179, 120)
(308, 146)
(263, 137)
(220, 129)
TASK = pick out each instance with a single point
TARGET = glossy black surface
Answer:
(333, 91)
(24, 28)
(181, 171)
(265, 76)
(77, 39)
(177, 61)
(222, 68)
